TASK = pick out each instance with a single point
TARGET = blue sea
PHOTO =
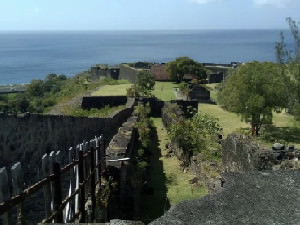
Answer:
(32, 55)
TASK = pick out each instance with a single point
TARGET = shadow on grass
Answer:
(286, 134)
(155, 204)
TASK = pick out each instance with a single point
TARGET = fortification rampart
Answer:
(128, 73)
(27, 137)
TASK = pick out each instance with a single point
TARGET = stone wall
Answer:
(156, 106)
(99, 102)
(98, 71)
(199, 93)
(27, 137)
(124, 200)
(128, 73)
(159, 72)
(239, 154)
(215, 77)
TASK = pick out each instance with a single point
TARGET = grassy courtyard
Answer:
(165, 90)
(284, 129)
(112, 90)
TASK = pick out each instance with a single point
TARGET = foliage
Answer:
(43, 94)
(198, 134)
(289, 59)
(144, 124)
(143, 87)
(254, 90)
(144, 127)
(145, 83)
(93, 112)
(132, 91)
(195, 135)
(184, 89)
(185, 65)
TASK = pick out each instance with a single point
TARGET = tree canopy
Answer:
(185, 65)
(144, 85)
(289, 59)
(254, 90)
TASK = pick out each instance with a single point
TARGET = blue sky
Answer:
(146, 14)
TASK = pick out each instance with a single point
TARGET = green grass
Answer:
(284, 129)
(213, 91)
(170, 183)
(112, 90)
(178, 185)
(229, 121)
(164, 90)
(93, 113)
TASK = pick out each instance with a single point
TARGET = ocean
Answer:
(32, 55)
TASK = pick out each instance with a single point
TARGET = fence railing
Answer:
(81, 173)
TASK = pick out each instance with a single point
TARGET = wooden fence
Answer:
(82, 173)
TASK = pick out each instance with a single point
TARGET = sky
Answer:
(146, 14)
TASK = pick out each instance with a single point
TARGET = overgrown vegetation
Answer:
(43, 94)
(93, 113)
(184, 89)
(144, 127)
(195, 135)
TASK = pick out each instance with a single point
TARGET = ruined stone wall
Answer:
(239, 154)
(124, 200)
(26, 138)
(156, 106)
(215, 77)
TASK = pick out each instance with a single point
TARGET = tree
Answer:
(36, 88)
(185, 65)
(145, 83)
(289, 59)
(254, 90)
(184, 89)
(195, 135)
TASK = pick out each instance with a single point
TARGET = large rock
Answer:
(249, 198)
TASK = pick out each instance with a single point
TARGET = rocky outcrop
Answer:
(247, 198)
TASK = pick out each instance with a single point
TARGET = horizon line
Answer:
(94, 30)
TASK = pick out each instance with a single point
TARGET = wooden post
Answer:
(58, 157)
(86, 167)
(70, 205)
(18, 186)
(94, 145)
(47, 187)
(82, 189)
(4, 194)
(57, 196)
(93, 182)
(77, 181)
(51, 163)
(98, 150)
(102, 153)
